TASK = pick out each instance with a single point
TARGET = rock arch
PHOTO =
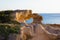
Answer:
(37, 18)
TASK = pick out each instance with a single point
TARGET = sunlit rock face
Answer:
(22, 15)
(37, 18)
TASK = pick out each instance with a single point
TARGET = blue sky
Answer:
(38, 6)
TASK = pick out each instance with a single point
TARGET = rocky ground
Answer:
(39, 34)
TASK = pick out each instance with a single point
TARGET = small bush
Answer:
(5, 30)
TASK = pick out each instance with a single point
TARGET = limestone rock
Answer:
(23, 15)
(37, 18)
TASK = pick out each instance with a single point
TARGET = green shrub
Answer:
(5, 30)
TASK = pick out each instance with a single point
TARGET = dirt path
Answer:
(40, 35)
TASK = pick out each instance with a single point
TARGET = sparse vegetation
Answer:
(5, 30)
(5, 16)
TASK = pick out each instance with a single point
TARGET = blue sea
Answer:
(48, 19)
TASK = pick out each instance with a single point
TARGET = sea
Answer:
(48, 18)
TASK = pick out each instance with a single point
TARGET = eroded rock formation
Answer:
(23, 15)
(37, 18)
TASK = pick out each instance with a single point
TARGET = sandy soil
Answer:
(40, 35)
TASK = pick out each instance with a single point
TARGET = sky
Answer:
(38, 6)
(42, 7)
